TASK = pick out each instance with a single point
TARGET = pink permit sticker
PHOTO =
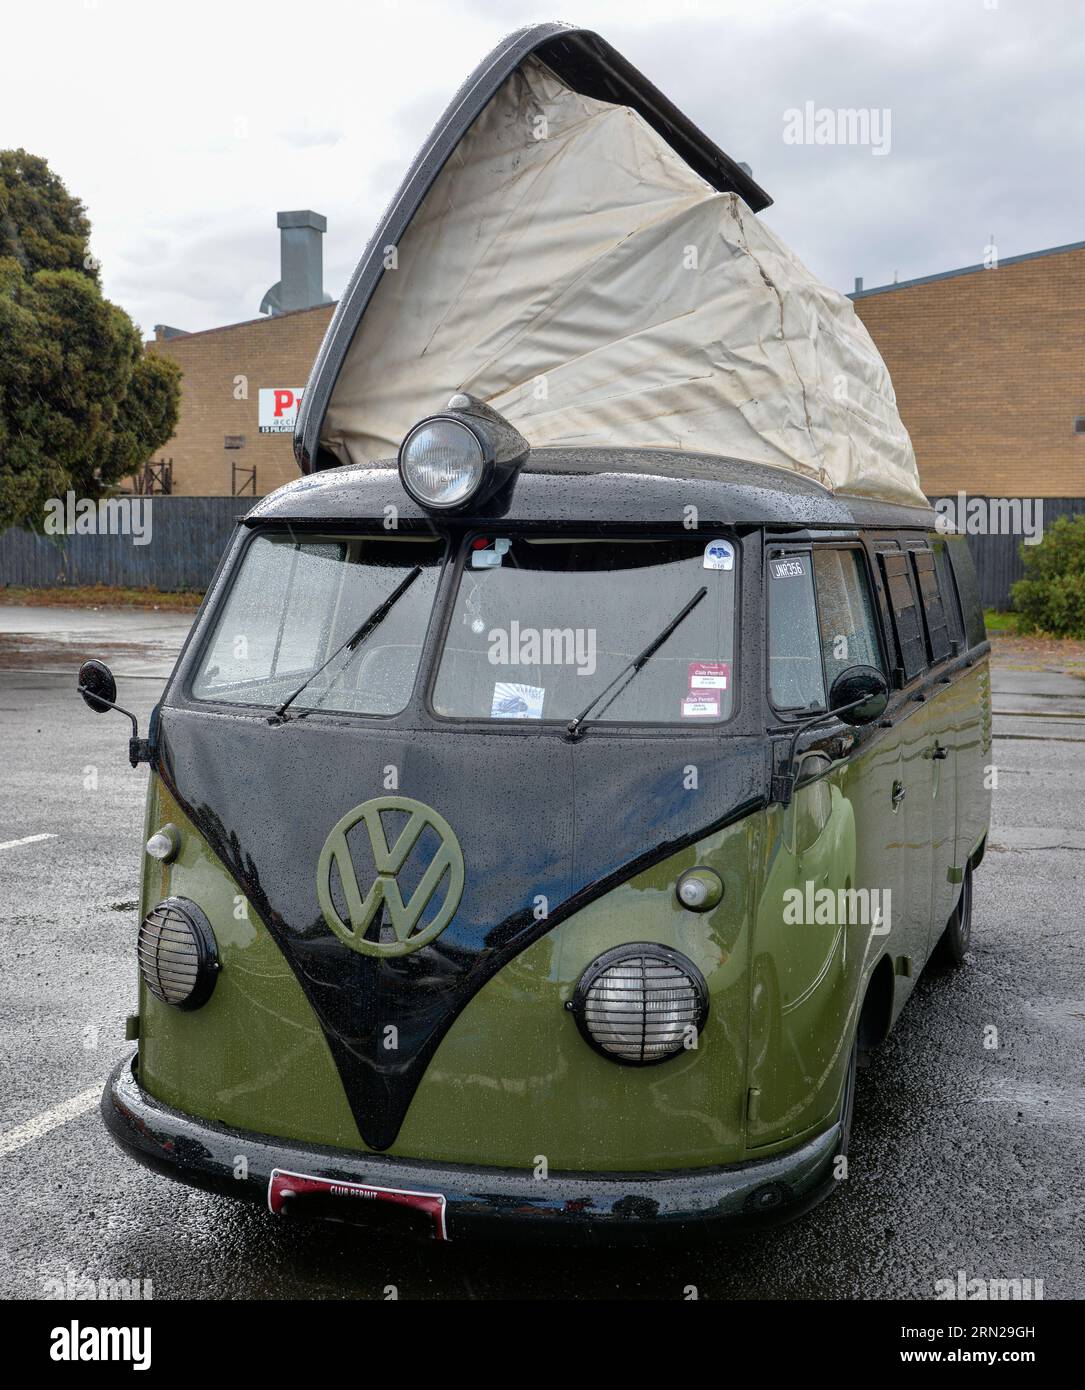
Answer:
(702, 706)
(709, 675)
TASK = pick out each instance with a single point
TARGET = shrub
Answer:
(1051, 597)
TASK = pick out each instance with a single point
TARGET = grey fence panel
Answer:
(187, 537)
(998, 558)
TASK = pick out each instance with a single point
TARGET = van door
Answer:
(838, 834)
(942, 717)
(912, 792)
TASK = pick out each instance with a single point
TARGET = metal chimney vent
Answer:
(302, 264)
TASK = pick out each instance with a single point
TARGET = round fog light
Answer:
(178, 958)
(641, 1004)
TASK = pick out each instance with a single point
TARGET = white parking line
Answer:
(26, 840)
(41, 1124)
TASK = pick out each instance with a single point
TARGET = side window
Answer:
(796, 679)
(939, 642)
(964, 572)
(848, 634)
(896, 570)
(948, 585)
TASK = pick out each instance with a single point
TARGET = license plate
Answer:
(283, 1186)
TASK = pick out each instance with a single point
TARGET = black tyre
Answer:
(953, 944)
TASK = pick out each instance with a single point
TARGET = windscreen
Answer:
(295, 601)
(541, 627)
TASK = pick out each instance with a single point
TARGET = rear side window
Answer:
(796, 678)
(964, 572)
(939, 642)
(848, 635)
(907, 625)
(948, 586)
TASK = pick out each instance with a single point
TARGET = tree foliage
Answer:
(81, 405)
(1051, 597)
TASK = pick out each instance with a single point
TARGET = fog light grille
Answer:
(178, 958)
(641, 1004)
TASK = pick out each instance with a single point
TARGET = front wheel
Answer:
(953, 944)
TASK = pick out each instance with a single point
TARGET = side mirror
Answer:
(97, 686)
(859, 695)
(99, 689)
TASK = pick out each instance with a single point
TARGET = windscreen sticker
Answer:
(719, 555)
(709, 675)
(705, 705)
(487, 551)
(512, 701)
(788, 567)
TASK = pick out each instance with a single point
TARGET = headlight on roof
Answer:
(178, 956)
(460, 458)
(641, 1004)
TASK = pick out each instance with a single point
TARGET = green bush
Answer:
(1051, 597)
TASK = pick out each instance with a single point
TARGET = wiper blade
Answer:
(354, 641)
(574, 726)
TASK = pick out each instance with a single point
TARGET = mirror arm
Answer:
(783, 783)
(139, 749)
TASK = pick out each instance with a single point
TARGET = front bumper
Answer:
(477, 1201)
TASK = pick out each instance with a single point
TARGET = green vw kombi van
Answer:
(576, 766)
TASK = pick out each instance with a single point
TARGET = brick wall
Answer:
(267, 352)
(989, 371)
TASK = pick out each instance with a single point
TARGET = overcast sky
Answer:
(184, 127)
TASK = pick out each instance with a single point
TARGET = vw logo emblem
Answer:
(446, 865)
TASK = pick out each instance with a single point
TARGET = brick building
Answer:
(225, 370)
(242, 382)
(989, 371)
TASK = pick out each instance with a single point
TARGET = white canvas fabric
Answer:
(569, 268)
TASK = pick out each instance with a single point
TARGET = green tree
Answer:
(81, 405)
(1051, 597)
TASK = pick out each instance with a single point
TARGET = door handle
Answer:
(899, 792)
(939, 752)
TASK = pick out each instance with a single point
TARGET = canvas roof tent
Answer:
(572, 250)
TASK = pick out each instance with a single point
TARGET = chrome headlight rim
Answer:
(203, 964)
(617, 955)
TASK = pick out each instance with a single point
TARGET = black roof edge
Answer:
(590, 66)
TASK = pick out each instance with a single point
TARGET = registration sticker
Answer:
(512, 701)
(709, 675)
(793, 567)
(719, 555)
(284, 1186)
(701, 706)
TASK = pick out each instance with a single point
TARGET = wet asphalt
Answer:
(963, 1156)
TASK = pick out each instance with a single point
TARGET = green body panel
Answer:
(513, 1080)
(254, 1056)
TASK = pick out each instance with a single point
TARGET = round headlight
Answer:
(178, 958)
(441, 463)
(641, 1004)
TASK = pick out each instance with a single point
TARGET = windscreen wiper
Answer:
(354, 641)
(574, 726)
